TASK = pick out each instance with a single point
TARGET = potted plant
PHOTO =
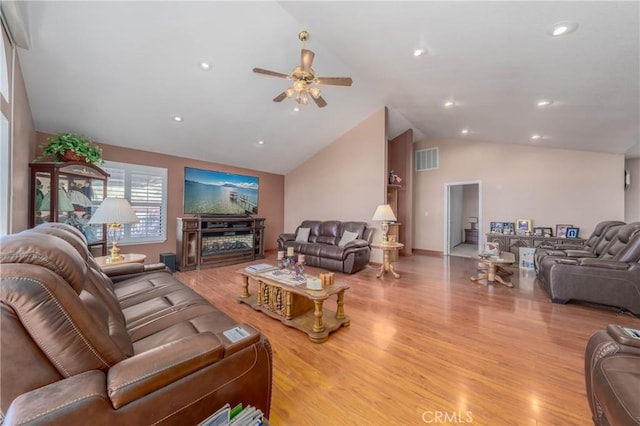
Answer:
(71, 147)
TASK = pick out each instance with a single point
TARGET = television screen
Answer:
(213, 192)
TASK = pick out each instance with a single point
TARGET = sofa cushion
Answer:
(302, 236)
(347, 237)
(357, 227)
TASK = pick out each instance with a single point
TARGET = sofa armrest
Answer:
(567, 261)
(621, 336)
(568, 246)
(61, 402)
(130, 270)
(356, 243)
(556, 253)
(604, 263)
(579, 253)
(149, 371)
(287, 237)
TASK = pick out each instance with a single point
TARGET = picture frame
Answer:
(547, 232)
(572, 232)
(561, 230)
(508, 228)
(523, 226)
(538, 231)
(495, 227)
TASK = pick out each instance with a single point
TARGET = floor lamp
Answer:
(114, 212)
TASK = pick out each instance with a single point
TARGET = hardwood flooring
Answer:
(429, 348)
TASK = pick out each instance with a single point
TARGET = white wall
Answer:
(632, 194)
(345, 181)
(549, 186)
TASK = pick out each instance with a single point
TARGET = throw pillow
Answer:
(347, 237)
(302, 236)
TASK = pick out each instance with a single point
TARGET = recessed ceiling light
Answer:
(296, 109)
(177, 118)
(205, 65)
(465, 131)
(562, 28)
(419, 52)
(449, 103)
(260, 142)
(536, 137)
(545, 102)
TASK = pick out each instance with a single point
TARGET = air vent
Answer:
(426, 159)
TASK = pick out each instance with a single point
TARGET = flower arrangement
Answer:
(72, 147)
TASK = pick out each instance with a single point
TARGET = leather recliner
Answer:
(78, 348)
(611, 279)
(612, 376)
(588, 249)
(322, 247)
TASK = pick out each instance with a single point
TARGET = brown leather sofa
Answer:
(613, 278)
(322, 247)
(79, 348)
(612, 376)
(591, 247)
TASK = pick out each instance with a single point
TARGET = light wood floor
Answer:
(429, 348)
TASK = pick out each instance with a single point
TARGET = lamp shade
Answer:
(114, 210)
(384, 213)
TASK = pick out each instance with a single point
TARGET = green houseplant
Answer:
(72, 147)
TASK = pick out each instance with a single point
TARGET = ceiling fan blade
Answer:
(335, 81)
(282, 96)
(320, 101)
(271, 73)
(306, 59)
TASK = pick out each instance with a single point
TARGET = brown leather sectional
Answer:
(612, 376)
(607, 275)
(322, 248)
(142, 348)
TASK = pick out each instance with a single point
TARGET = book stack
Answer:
(238, 416)
(261, 267)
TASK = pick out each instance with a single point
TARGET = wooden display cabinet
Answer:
(69, 193)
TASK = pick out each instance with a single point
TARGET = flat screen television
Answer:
(210, 192)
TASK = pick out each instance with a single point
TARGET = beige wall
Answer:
(270, 197)
(549, 186)
(344, 181)
(23, 143)
(632, 194)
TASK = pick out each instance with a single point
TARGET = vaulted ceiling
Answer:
(120, 71)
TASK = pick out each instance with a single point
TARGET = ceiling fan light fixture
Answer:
(289, 92)
(302, 98)
(315, 92)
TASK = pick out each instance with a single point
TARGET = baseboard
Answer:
(422, 252)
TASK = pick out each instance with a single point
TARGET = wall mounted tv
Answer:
(209, 192)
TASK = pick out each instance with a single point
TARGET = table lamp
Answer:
(115, 212)
(384, 214)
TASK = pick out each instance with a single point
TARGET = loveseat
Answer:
(80, 348)
(612, 278)
(334, 245)
(612, 376)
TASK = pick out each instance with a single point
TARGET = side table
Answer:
(124, 258)
(387, 249)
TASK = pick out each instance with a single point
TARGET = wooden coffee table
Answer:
(295, 305)
(494, 264)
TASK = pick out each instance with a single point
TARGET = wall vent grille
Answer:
(426, 159)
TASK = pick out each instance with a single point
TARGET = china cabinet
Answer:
(69, 192)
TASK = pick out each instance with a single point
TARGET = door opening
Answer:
(463, 218)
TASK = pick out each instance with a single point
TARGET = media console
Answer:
(209, 241)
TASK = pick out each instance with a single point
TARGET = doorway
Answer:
(463, 218)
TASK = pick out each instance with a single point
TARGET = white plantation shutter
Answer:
(145, 187)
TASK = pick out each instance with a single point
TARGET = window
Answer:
(427, 159)
(145, 187)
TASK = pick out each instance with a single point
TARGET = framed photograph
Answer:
(547, 232)
(495, 227)
(538, 231)
(508, 228)
(572, 232)
(523, 226)
(561, 230)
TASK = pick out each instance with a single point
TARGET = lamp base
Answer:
(115, 254)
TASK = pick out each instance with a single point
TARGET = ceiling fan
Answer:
(304, 79)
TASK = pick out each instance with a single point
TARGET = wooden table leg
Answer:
(395, 274)
(340, 310)
(245, 287)
(479, 277)
(318, 325)
(503, 282)
(381, 271)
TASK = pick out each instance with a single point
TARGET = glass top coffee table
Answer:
(289, 300)
(494, 266)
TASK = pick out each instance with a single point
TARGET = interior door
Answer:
(455, 215)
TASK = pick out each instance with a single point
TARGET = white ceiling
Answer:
(119, 71)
